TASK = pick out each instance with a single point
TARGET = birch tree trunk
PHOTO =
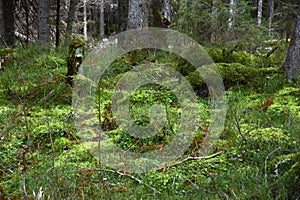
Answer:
(102, 25)
(232, 13)
(270, 15)
(138, 13)
(44, 22)
(259, 12)
(292, 62)
(167, 10)
(84, 20)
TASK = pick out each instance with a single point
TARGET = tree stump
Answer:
(74, 59)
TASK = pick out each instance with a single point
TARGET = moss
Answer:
(268, 137)
(4, 52)
(73, 62)
(235, 73)
(244, 58)
(291, 179)
(216, 54)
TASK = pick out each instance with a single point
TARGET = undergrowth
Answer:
(39, 145)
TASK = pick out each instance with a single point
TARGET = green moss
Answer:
(291, 179)
(4, 52)
(244, 58)
(234, 74)
(268, 137)
(73, 62)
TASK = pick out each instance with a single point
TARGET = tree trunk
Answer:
(44, 22)
(270, 15)
(57, 23)
(123, 7)
(84, 20)
(232, 13)
(102, 25)
(138, 14)
(292, 62)
(70, 20)
(259, 12)
(2, 25)
(167, 10)
(9, 21)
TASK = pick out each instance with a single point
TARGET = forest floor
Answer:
(256, 155)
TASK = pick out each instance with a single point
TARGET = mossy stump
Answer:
(74, 59)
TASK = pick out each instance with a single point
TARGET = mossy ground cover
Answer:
(39, 146)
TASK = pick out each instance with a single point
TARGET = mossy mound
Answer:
(229, 56)
(234, 74)
(245, 58)
(262, 139)
(4, 52)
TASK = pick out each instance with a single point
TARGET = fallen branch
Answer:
(188, 158)
(130, 176)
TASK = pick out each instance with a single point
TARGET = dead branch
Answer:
(130, 176)
(188, 158)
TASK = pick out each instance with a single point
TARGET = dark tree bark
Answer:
(2, 25)
(292, 63)
(138, 14)
(123, 6)
(9, 21)
(70, 19)
(57, 35)
(44, 22)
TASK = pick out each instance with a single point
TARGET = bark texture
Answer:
(292, 63)
(44, 22)
(138, 14)
(9, 22)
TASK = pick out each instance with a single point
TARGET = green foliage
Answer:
(261, 134)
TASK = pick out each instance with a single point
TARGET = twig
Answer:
(237, 125)
(214, 184)
(45, 98)
(132, 177)
(266, 162)
(5, 44)
(189, 158)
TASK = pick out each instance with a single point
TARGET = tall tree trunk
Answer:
(123, 6)
(292, 62)
(138, 14)
(70, 20)
(57, 35)
(167, 10)
(44, 22)
(259, 12)
(102, 25)
(27, 19)
(9, 21)
(232, 13)
(2, 24)
(84, 20)
(270, 15)
(214, 12)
